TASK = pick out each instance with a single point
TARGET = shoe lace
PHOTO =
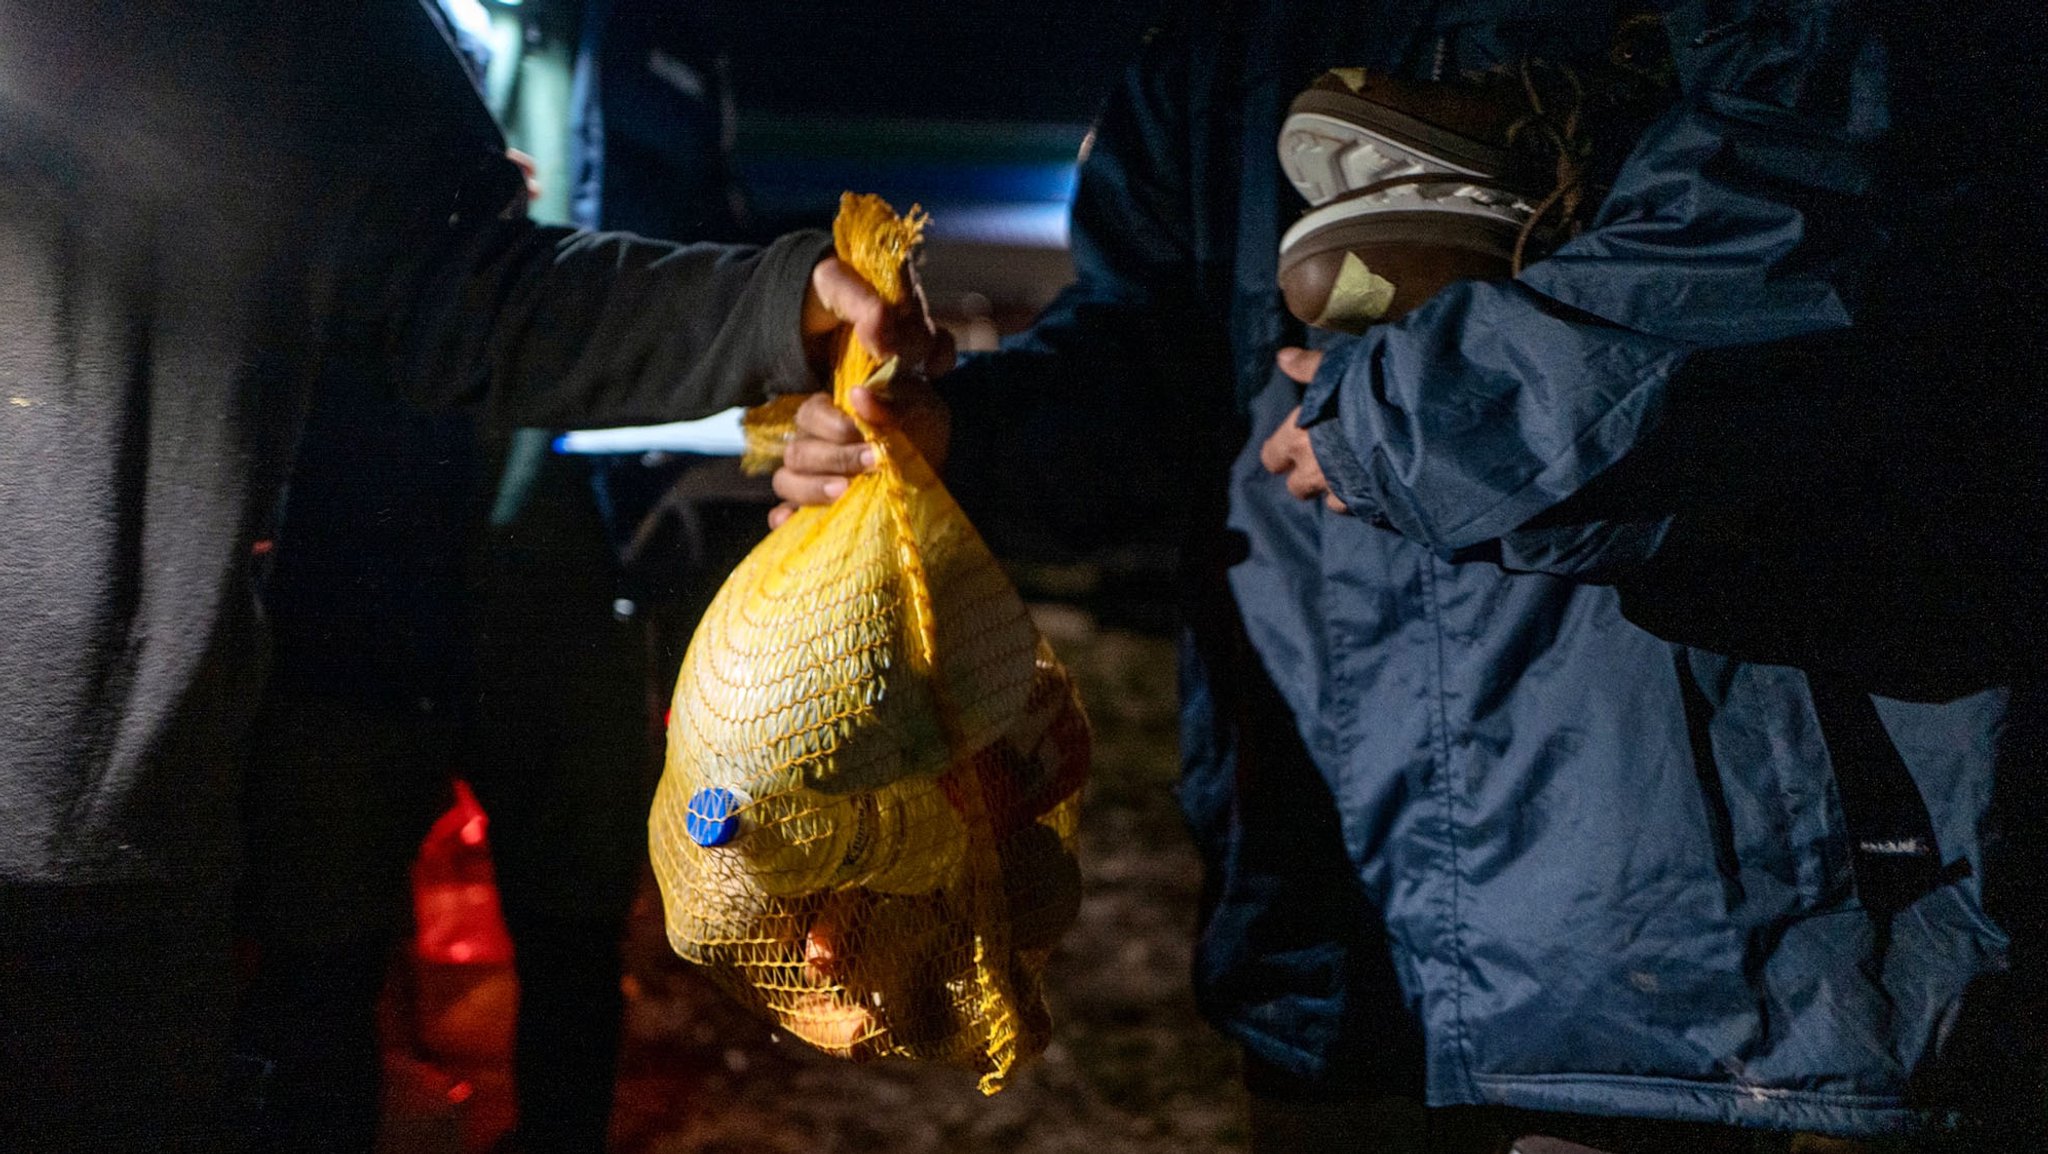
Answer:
(1637, 74)
(1555, 125)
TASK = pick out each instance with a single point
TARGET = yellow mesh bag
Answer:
(866, 825)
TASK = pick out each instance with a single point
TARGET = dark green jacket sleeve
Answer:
(467, 305)
(557, 328)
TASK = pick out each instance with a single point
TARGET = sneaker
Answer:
(1411, 186)
(1353, 128)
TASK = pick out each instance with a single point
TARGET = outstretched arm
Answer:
(550, 326)
(557, 327)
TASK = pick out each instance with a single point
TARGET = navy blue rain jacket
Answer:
(1466, 826)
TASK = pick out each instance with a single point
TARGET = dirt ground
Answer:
(1131, 1070)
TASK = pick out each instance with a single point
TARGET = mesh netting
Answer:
(866, 826)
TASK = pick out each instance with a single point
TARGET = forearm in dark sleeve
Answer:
(1067, 439)
(1070, 433)
(555, 327)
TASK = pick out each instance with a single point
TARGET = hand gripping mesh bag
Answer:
(866, 826)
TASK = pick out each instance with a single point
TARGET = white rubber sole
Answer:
(1325, 157)
(1451, 196)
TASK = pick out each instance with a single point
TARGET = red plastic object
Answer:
(455, 898)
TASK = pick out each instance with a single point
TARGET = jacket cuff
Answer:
(1319, 400)
(1345, 474)
(788, 262)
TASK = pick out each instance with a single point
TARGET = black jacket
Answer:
(205, 207)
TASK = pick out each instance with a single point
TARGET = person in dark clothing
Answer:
(1473, 837)
(563, 753)
(563, 758)
(207, 210)
(653, 124)
(447, 611)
